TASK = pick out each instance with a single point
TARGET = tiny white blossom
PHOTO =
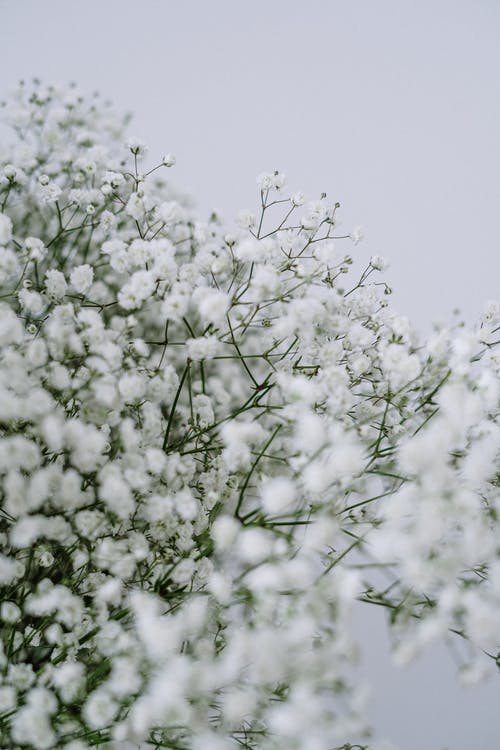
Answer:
(170, 212)
(99, 709)
(31, 302)
(9, 612)
(271, 181)
(35, 248)
(278, 495)
(5, 229)
(140, 286)
(212, 304)
(136, 146)
(298, 199)
(378, 262)
(246, 219)
(55, 284)
(201, 348)
(135, 206)
(357, 235)
(491, 309)
(81, 278)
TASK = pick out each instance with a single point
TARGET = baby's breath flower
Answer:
(202, 348)
(246, 219)
(5, 229)
(491, 310)
(378, 263)
(298, 199)
(35, 248)
(170, 212)
(81, 278)
(31, 302)
(357, 235)
(55, 284)
(190, 490)
(271, 181)
(10, 172)
(9, 612)
(136, 146)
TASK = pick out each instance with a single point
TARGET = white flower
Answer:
(68, 677)
(8, 698)
(490, 309)
(224, 532)
(140, 286)
(249, 250)
(132, 387)
(110, 247)
(298, 199)
(170, 212)
(176, 303)
(100, 709)
(9, 612)
(31, 726)
(203, 410)
(9, 264)
(270, 181)
(278, 495)
(254, 545)
(135, 206)
(5, 229)
(212, 304)
(314, 214)
(165, 268)
(196, 505)
(35, 248)
(31, 302)
(357, 235)
(401, 367)
(10, 570)
(136, 146)
(245, 219)
(378, 262)
(116, 493)
(55, 284)
(49, 193)
(81, 278)
(204, 347)
(10, 172)
(11, 329)
(21, 676)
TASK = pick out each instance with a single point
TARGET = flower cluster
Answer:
(212, 444)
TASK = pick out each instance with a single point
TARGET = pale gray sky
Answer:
(392, 107)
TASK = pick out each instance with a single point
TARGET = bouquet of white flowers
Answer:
(212, 445)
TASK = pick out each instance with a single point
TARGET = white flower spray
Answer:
(212, 443)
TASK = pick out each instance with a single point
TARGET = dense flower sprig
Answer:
(212, 444)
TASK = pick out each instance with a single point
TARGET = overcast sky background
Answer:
(391, 107)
